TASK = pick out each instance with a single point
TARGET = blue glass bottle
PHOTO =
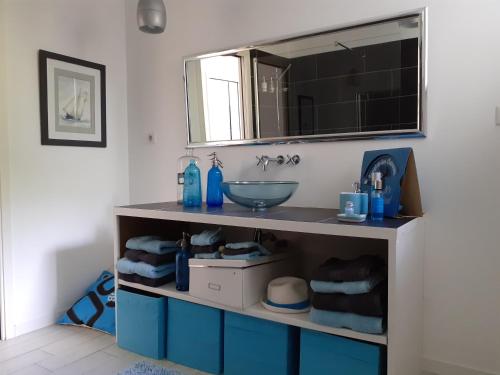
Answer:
(192, 186)
(377, 202)
(182, 265)
(214, 183)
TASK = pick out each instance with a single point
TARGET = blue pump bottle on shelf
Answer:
(377, 199)
(192, 186)
(214, 183)
(182, 265)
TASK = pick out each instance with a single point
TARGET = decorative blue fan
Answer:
(401, 191)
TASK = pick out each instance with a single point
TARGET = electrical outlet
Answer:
(151, 138)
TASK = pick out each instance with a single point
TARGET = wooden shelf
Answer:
(258, 311)
(293, 219)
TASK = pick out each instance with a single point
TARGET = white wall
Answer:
(458, 163)
(58, 201)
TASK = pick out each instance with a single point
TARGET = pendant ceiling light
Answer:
(151, 16)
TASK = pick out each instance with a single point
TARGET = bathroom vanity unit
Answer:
(313, 235)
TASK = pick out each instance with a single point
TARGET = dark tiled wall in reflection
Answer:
(368, 88)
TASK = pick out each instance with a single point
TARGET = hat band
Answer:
(292, 306)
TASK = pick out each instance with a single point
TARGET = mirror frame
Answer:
(420, 132)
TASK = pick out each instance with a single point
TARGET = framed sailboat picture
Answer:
(72, 101)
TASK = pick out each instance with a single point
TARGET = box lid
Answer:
(233, 263)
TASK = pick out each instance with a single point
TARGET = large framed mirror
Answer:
(361, 81)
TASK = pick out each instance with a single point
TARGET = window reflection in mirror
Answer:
(214, 85)
(354, 81)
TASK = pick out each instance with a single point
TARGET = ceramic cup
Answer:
(359, 200)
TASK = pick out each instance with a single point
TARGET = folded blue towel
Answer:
(360, 323)
(143, 269)
(214, 255)
(207, 237)
(248, 245)
(152, 244)
(252, 255)
(347, 287)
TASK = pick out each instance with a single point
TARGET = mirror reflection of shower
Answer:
(273, 83)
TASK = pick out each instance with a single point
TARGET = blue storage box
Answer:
(195, 335)
(255, 346)
(321, 353)
(141, 323)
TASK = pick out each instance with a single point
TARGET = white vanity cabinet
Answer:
(313, 234)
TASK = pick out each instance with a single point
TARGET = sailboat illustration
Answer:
(73, 110)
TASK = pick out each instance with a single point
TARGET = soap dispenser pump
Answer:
(214, 183)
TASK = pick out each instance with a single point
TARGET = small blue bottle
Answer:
(182, 265)
(377, 201)
(214, 183)
(192, 186)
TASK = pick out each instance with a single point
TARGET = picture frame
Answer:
(72, 101)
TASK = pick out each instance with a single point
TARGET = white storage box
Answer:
(235, 283)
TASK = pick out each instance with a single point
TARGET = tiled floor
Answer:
(66, 350)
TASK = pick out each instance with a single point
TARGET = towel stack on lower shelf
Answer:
(149, 260)
(244, 251)
(205, 245)
(351, 294)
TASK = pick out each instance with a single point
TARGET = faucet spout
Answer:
(264, 160)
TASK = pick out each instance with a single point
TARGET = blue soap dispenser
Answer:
(192, 185)
(182, 265)
(377, 198)
(214, 183)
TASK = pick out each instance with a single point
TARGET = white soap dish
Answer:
(352, 218)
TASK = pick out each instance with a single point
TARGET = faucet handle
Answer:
(293, 160)
(261, 160)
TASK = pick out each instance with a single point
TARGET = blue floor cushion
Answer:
(96, 309)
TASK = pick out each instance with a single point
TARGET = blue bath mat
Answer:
(144, 368)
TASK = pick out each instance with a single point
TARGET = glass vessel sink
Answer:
(259, 195)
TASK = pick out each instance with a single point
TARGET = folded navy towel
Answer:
(135, 278)
(360, 323)
(153, 259)
(152, 244)
(195, 249)
(369, 304)
(125, 265)
(361, 268)
(348, 287)
(207, 237)
(248, 245)
(229, 251)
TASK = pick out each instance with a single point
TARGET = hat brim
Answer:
(284, 310)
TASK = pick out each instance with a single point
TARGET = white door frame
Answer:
(2, 284)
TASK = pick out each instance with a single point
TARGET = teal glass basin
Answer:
(259, 195)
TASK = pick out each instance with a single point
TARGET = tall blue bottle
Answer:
(192, 186)
(377, 202)
(182, 265)
(214, 183)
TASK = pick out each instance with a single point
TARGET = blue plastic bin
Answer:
(255, 346)
(324, 354)
(141, 323)
(195, 335)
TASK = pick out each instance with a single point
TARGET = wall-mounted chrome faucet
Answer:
(264, 160)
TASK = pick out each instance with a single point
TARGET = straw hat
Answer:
(287, 295)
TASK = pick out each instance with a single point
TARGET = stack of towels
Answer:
(210, 244)
(244, 251)
(206, 244)
(149, 260)
(351, 294)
